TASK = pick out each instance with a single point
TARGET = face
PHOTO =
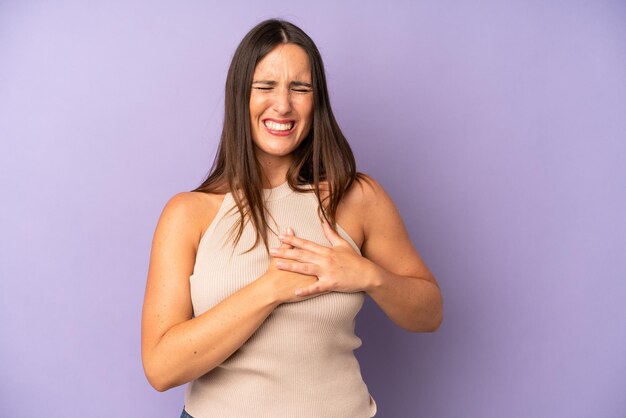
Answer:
(281, 101)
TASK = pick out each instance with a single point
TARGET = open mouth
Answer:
(279, 128)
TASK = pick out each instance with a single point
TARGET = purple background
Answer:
(498, 128)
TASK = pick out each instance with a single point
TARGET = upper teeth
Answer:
(278, 126)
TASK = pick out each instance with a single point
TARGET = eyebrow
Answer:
(293, 83)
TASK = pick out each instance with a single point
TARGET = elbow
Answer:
(156, 378)
(431, 325)
(437, 315)
(163, 378)
(159, 388)
(436, 323)
(159, 385)
(428, 314)
(431, 321)
(156, 382)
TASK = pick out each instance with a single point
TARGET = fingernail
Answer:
(289, 230)
(273, 250)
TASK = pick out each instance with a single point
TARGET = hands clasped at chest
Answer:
(338, 268)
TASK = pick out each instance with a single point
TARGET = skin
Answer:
(280, 91)
(177, 347)
(390, 269)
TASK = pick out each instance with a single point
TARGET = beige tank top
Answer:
(300, 361)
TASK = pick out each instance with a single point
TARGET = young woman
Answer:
(257, 275)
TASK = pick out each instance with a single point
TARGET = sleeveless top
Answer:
(300, 361)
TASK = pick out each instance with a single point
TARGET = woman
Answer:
(268, 330)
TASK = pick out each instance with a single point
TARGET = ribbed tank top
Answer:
(300, 362)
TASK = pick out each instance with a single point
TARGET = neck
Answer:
(274, 173)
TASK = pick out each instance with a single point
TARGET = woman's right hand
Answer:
(284, 283)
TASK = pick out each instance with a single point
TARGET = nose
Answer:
(282, 100)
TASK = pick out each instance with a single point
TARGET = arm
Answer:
(389, 268)
(177, 348)
(398, 280)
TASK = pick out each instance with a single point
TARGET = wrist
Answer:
(267, 291)
(373, 277)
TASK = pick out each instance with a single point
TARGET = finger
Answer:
(300, 255)
(303, 243)
(332, 237)
(309, 269)
(285, 245)
(311, 290)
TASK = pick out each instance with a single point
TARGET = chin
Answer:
(282, 153)
(280, 149)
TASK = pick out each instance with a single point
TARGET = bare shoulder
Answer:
(191, 212)
(364, 192)
(362, 189)
(195, 200)
(354, 203)
(380, 215)
(368, 189)
(386, 238)
(174, 248)
(167, 299)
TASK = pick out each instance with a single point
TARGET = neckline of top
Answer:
(277, 192)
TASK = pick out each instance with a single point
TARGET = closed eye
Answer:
(296, 90)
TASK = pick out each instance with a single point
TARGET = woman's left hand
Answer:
(338, 268)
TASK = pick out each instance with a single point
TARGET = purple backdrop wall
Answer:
(498, 128)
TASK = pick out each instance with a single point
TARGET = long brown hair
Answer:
(324, 155)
